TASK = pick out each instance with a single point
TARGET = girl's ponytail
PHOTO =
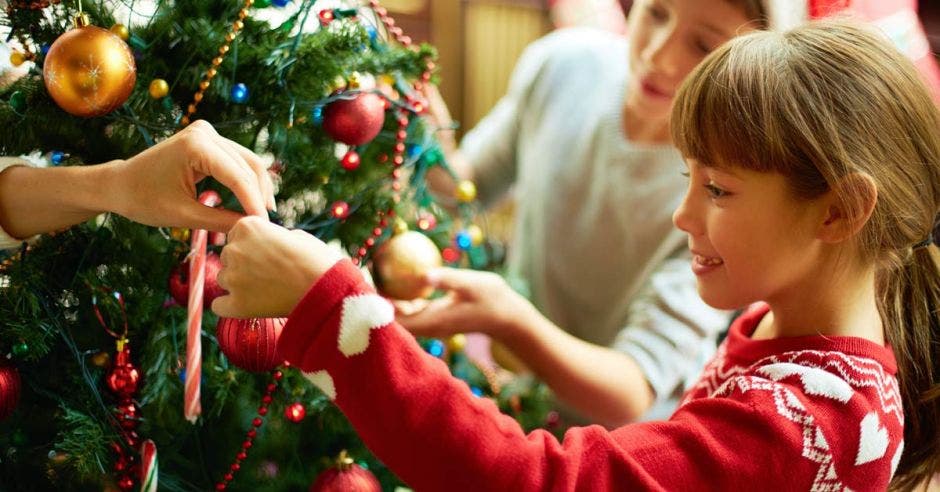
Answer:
(910, 309)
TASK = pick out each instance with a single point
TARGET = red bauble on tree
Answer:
(250, 344)
(179, 282)
(123, 378)
(355, 121)
(346, 476)
(9, 389)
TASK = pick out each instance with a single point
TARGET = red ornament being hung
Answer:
(178, 283)
(9, 389)
(346, 476)
(355, 120)
(250, 344)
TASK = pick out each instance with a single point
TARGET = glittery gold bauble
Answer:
(89, 71)
(466, 191)
(400, 264)
(158, 88)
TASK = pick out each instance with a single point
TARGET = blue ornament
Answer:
(436, 348)
(56, 157)
(239, 93)
(414, 150)
(373, 33)
(463, 240)
(476, 391)
(280, 3)
(316, 114)
(44, 49)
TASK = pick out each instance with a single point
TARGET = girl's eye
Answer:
(714, 191)
(657, 13)
(702, 47)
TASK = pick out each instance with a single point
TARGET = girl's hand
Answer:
(158, 186)
(267, 269)
(476, 302)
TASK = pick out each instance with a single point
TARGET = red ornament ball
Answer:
(346, 476)
(355, 121)
(251, 344)
(9, 389)
(178, 282)
(351, 161)
(295, 412)
(339, 209)
(123, 378)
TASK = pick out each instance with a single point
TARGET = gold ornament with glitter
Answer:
(89, 71)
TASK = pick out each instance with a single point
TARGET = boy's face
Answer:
(668, 38)
(750, 237)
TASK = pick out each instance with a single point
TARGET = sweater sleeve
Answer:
(429, 429)
(7, 241)
(490, 148)
(671, 333)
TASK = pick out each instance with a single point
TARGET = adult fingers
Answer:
(259, 167)
(248, 188)
(225, 165)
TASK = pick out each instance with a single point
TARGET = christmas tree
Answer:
(95, 318)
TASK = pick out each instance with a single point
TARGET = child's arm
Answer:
(434, 434)
(603, 384)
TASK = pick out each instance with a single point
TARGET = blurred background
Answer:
(480, 40)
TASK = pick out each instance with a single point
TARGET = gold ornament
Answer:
(121, 31)
(400, 264)
(400, 227)
(457, 343)
(466, 191)
(476, 234)
(158, 88)
(17, 58)
(101, 359)
(89, 71)
(179, 234)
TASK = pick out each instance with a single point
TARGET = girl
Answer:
(814, 186)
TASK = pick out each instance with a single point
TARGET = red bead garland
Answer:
(276, 376)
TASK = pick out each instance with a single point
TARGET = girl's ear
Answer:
(850, 205)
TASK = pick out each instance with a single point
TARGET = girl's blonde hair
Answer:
(816, 104)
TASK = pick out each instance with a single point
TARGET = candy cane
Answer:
(197, 279)
(148, 469)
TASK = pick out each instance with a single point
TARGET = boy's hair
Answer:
(816, 104)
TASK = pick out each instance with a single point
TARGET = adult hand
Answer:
(476, 302)
(267, 269)
(158, 186)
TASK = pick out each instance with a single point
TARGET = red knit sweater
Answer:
(808, 413)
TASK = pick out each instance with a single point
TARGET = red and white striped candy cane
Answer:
(197, 280)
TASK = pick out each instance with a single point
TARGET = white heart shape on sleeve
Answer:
(873, 440)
